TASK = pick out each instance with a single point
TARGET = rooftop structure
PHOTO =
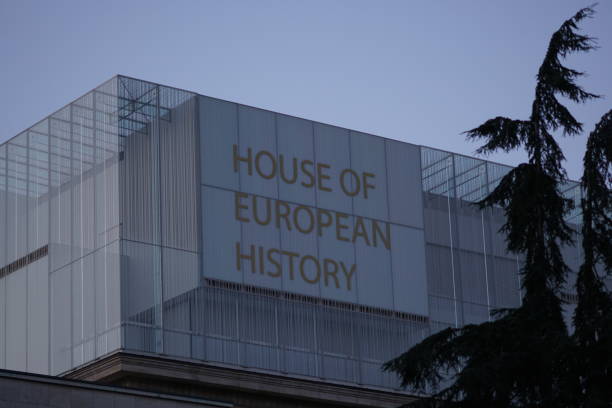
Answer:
(149, 220)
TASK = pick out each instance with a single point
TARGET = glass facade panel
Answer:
(59, 215)
(38, 316)
(470, 273)
(218, 118)
(404, 168)
(294, 135)
(333, 153)
(16, 320)
(368, 154)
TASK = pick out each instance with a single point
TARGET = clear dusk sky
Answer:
(418, 71)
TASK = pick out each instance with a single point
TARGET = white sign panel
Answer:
(308, 208)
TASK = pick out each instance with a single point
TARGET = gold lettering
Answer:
(366, 185)
(274, 262)
(258, 156)
(282, 214)
(238, 196)
(308, 173)
(250, 257)
(354, 179)
(340, 227)
(385, 237)
(282, 170)
(311, 270)
(291, 256)
(348, 275)
(296, 218)
(360, 231)
(321, 176)
(248, 160)
(261, 260)
(303, 273)
(268, 216)
(327, 271)
(323, 223)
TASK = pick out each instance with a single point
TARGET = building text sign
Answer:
(309, 208)
(304, 219)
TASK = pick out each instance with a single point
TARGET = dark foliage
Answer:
(524, 357)
(593, 315)
(534, 225)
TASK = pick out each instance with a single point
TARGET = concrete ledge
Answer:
(230, 384)
(25, 389)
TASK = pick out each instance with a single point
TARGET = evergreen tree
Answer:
(593, 315)
(522, 358)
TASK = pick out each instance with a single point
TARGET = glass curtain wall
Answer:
(100, 216)
(59, 220)
(95, 207)
(159, 217)
(167, 308)
(470, 273)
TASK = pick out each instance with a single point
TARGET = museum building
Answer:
(170, 242)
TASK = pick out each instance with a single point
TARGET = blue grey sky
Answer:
(418, 71)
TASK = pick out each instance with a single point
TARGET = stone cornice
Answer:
(127, 365)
